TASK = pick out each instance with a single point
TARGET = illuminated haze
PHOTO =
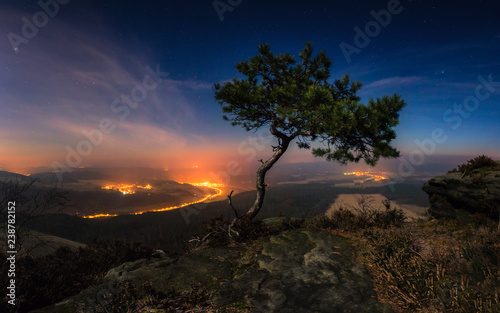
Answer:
(64, 81)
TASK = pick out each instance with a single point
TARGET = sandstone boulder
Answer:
(478, 191)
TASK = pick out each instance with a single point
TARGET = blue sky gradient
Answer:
(64, 79)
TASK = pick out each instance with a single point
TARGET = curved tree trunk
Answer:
(261, 175)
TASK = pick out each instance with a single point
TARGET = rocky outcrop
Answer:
(305, 270)
(478, 191)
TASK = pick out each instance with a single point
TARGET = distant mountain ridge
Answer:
(52, 178)
(73, 177)
(4, 175)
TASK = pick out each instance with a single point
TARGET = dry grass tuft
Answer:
(432, 266)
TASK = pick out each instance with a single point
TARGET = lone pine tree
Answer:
(296, 101)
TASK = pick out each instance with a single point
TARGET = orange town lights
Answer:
(126, 189)
(377, 177)
(130, 189)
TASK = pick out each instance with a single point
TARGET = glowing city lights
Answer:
(131, 189)
(376, 176)
(126, 189)
(100, 215)
(207, 184)
(205, 198)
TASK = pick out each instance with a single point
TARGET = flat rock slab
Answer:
(306, 270)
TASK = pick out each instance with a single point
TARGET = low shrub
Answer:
(219, 232)
(478, 162)
(130, 300)
(45, 280)
(363, 218)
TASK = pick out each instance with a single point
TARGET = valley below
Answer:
(164, 214)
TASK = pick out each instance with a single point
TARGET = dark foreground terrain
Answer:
(373, 262)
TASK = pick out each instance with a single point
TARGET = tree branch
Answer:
(230, 201)
(274, 131)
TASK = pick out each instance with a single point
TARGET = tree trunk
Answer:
(261, 175)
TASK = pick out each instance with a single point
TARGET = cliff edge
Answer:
(476, 190)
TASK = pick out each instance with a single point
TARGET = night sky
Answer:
(77, 70)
